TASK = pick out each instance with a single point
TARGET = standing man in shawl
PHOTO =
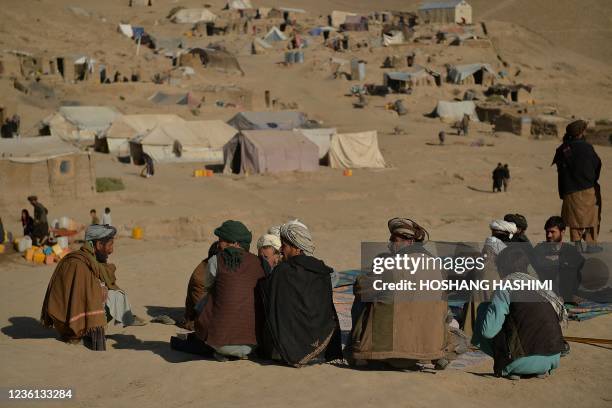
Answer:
(578, 169)
(519, 329)
(400, 328)
(229, 322)
(41, 227)
(302, 326)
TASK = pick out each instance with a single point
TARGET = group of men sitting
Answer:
(279, 304)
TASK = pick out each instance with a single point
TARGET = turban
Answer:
(100, 232)
(297, 234)
(518, 220)
(407, 228)
(503, 226)
(575, 129)
(235, 231)
(269, 240)
(274, 230)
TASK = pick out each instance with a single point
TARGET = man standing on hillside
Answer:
(578, 169)
(498, 177)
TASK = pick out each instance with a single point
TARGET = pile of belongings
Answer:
(46, 254)
(587, 310)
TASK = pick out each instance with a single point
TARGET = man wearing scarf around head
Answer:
(82, 295)
(228, 322)
(398, 328)
(301, 322)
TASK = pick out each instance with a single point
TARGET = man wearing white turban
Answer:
(268, 249)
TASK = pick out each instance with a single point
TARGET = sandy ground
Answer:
(445, 188)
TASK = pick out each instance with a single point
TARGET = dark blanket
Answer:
(578, 167)
(301, 321)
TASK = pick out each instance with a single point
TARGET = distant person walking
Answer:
(498, 178)
(27, 223)
(149, 169)
(465, 125)
(442, 137)
(578, 169)
(106, 217)
(506, 179)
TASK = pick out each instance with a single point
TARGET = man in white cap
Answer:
(268, 249)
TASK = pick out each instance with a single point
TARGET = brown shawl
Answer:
(74, 302)
(195, 292)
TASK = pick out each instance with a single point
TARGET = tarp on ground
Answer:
(193, 15)
(355, 150)
(265, 151)
(320, 137)
(163, 98)
(275, 35)
(283, 120)
(217, 59)
(453, 111)
(393, 38)
(34, 149)
(239, 5)
(339, 17)
(458, 73)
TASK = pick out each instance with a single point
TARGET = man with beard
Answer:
(397, 328)
(302, 326)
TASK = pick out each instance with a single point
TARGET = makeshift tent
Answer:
(319, 30)
(47, 166)
(265, 151)
(193, 15)
(283, 120)
(211, 58)
(398, 81)
(80, 124)
(355, 150)
(275, 35)
(320, 137)
(239, 5)
(160, 42)
(453, 111)
(393, 38)
(116, 138)
(339, 17)
(457, 74)
(162, 98)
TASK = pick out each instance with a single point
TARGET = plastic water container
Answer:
(137, 233)
(299, 57)
(289, 57)
(25, 243)
(62, 242)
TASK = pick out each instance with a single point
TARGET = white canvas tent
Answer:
(320, 137)
(393, 38)
(275, 35)
(80, 124)
(239, 5)
(265, 151)
(339, 17)
(193, 15)
(125, 128)
(184, 141)
(459, 73)
(450, 112)
(355, 150)
(126, 29)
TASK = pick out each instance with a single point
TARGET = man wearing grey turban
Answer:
(296, 238)
(100, 238)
